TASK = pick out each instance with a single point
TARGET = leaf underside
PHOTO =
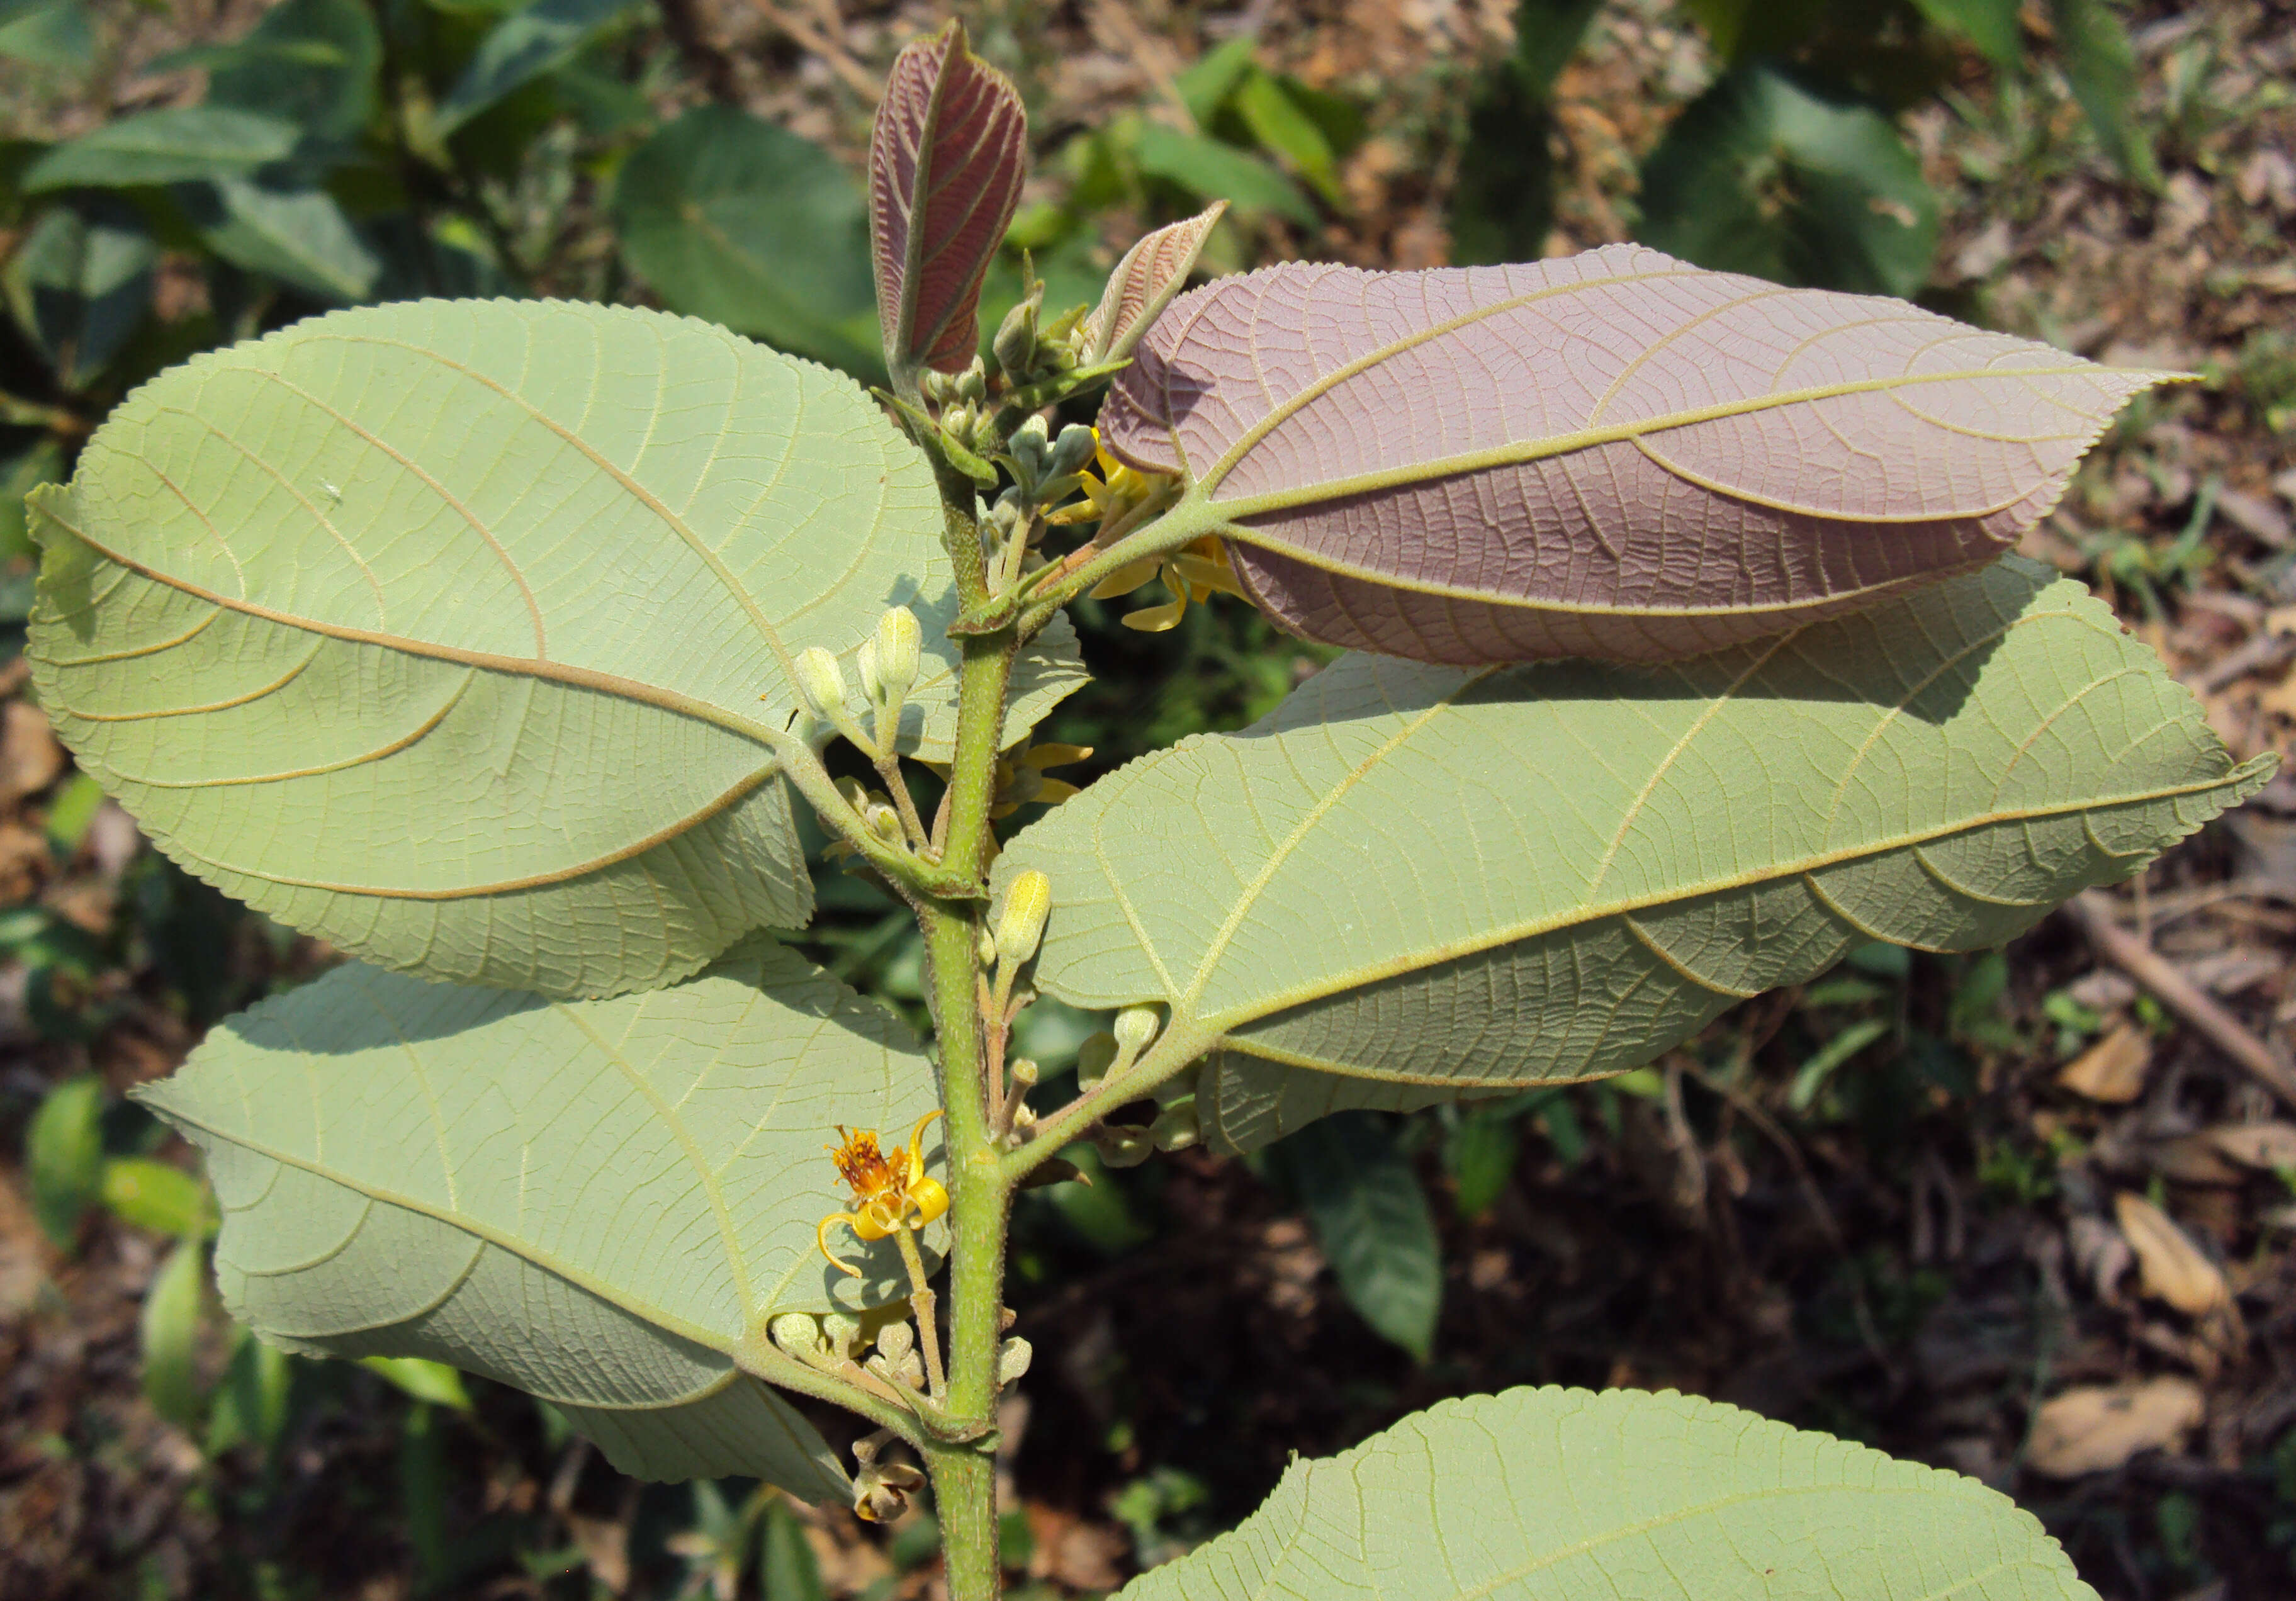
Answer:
(454, 631)
(1410, 884)
(1617, 455)
(1143, 283)
(598, 1202)
(1540, 1495)
(952, 120)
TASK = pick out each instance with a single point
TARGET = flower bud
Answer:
(1031, 451)
(1026, 904)
(1136, 1030)
(1077, 441)
(984, 948)
(1023, 1071)
(821, 681)
(1123, 1147)
(1015, 344)
(1013, 1357)
(897, 1340)
(1094, 1057)
(1177, 1126)
(973, 383)
(885, 823)
(899, 645)
(798, 1334)
(840, 1331)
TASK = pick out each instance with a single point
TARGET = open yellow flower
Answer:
(891, 1190)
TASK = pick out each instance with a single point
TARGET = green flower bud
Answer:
(1177, 1126)
(899, 647)
(1026, 904)
(897, 1340)
(1074, 451)
(821, 681)
(984, 948)
(1013, 1357)
(1135, 1030)
(1094, 1057)
(798, 1334)
(1023, 1071)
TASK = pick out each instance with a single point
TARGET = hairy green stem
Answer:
(965, 1495)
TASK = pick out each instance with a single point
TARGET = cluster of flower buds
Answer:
(888, 663)
(1028, 348)
(1046, 471)
(960, 401)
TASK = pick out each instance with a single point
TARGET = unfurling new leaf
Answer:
(604, 1202)
(1412, 883)
(1151, 272)
(1617, 455)
(946, 162)
(1551, 1495)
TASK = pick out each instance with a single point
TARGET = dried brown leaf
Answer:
(1615, 454)
(2098, 1427)
(2269, 1145)
(947, 159)
(2114, 1069)
(30, 758)
(2171, 1267)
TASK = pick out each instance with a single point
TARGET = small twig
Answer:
(926, 1307)
(856, 77)
(2093, 914)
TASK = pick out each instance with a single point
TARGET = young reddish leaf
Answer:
(1143, 284)
(1617, 455)
(946, 163)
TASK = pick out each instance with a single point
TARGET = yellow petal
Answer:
(1156, 619)
(1041, 757)
(1125, 579)
(1055, 791)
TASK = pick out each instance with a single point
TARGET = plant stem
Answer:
(965, 1495)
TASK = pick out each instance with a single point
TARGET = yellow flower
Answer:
(889, 1188)
(1116, 491)
(1197, 571)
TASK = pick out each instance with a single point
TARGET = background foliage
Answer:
(1893, 1202)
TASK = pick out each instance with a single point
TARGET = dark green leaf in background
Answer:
(1282, 125)
(1481, 1156)
(1211, 170)
(1990, 25)
(80, 284)
(2100, 67)
(313, 61)
(295, 234)
(528, 43)
(1502, 205)
(1371, 1219)
(170, 1331)
(733, 218)
(64, 1155)
(1760, 175)
(60, 36)
(172, 145)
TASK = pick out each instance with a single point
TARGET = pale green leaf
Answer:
(174, 145)
(1411, 884)
(602, 1203)
(1557, 1495)
(458, 633)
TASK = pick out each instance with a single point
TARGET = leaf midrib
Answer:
(1533, 927)
(1200, 506)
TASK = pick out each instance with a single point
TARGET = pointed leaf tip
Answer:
(1152, 271)
(1617, 455)
(946, 163)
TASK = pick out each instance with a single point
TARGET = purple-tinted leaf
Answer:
(1143, 284)
(1617, 455)
(946, 163)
